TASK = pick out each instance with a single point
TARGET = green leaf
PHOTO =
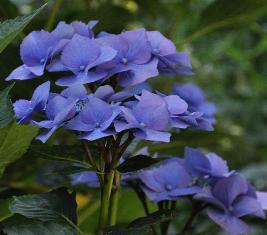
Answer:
(9, 29)
(20, 225)
(141, 226)
(57, 205)
(4, 208)
(6, 107)
(68, 153)
(14, 142)
(137, 162)
(225, 13)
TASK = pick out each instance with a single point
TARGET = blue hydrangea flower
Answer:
(95, 119)
(60, 109)
(24, 108)
(170, 61)
(169, 181)
(35, 51)
(205, 166)
(232, 198)
(133, 63)
(148, 118)
(79, 56)
(204, 111)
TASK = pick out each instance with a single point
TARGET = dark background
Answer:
(227, 43)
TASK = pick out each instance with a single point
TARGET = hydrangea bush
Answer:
(101, 95)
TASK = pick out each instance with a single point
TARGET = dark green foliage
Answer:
(6, 111)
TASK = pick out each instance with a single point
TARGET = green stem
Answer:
(105, 201)
(114, 201)
(53, 15)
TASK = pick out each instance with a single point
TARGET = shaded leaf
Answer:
(20, 225)
(14, 142)
(67, 153)
(141, 226)
(137, 162)
(9, 29)
(57, 205)
(4, 211)
(6, 107)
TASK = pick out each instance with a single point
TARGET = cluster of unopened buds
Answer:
(104, 98)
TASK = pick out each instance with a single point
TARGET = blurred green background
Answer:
(227, 43)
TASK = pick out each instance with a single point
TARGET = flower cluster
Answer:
(132, 56)
(106, 60)
(205, 178)
(227, 194)
(103, 94)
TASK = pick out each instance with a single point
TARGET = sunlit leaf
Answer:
(9, 29)
(6, 108)
(14, 142)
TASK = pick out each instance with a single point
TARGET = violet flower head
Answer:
(35, 51)
(24, 108)
(169, 181)
(232, 198)
(94, 120)
(134, 63)
(200, 113)
(81, 55)
(170, 61)
(60, 109)
(148, 118)
(208, 167)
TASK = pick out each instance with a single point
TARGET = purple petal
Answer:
(96, 111)
(232, 225)
(76, 91)
(152, 111)
(40, 96)
(46, 135)
(196, 162)
(63, 30)
(36, 49)
(152, 135)
(96, 134)
(219, 166)
(176, 105)
(262, 198)
(104, 92)
(20, 73)
(232, 186)
(81, 78)
(248, 206)
(139, 51)
(22, 109)
(160, 44)
(79, 53)
(185, 191)
(138, 73)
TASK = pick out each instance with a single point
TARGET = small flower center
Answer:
(97, 125)
(168, 187)
(206, 177)
(142, 124)
(156, 50)
(124, 60)
(42, 61)
(80, 105)
(230, 208)
(82, 67)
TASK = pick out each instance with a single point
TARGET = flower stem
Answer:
(114, 201)
(105, 201)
